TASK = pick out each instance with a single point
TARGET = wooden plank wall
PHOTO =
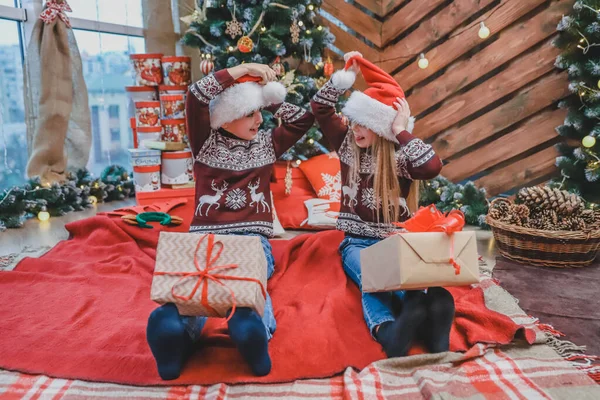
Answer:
(488, 106)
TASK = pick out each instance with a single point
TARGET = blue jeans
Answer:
(194, 325)
(377, 307)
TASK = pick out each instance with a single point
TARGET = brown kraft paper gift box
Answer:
(175, 257)
(411, 261)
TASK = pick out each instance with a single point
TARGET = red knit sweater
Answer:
(359, 211)
(233, 175)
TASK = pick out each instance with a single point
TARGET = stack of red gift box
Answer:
(161, 158)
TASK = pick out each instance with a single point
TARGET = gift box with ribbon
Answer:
(431, 251)
(207, 275)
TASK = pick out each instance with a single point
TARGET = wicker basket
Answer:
(559, 249)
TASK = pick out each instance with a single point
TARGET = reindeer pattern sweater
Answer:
(233, 175)
(414, 160)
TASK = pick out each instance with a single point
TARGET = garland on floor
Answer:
(80, 191)
(448, 196)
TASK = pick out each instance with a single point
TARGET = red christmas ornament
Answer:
(207, 66)
(277, 66)
(328, 68)
(245, 44)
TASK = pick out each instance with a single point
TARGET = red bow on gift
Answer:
(54, 9)
(204, 274)
(430, 219)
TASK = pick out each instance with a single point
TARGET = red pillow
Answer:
(290, 207)
(325, 176)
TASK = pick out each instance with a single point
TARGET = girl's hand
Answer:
(351, 54)
(402, 117)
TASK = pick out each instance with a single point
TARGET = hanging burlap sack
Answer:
(59, 124)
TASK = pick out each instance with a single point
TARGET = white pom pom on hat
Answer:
(274, 93)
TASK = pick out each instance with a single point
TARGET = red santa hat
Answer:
(244, 97)
(374, 108)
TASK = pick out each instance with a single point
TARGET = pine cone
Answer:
(500, 210)
(514, 219)
(496, 214)
(520, 210)
(578, 224)
(545, 215)
(588, 216)
(546, 198)
(544, 219)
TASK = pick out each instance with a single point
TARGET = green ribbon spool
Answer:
(143, 218)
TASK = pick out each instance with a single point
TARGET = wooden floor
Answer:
(35, 234)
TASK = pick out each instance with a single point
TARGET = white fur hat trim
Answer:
(242, 99)
(372, 114)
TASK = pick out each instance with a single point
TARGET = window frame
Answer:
(13, 13)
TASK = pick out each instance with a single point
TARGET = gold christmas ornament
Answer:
(288, 179)
(320, 82)
(245, 44)
(295, 28)
(234, 28)
(93, 200)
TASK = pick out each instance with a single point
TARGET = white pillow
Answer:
(278, 230)
(319, 214)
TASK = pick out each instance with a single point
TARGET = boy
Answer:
(233, 165)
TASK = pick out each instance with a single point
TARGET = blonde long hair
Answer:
(385, 186)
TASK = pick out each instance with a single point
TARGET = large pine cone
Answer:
(546, 198)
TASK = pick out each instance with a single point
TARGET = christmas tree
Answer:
(579, 161)
(448, 196)
(284, 34)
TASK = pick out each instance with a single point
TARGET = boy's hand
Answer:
(259, 70)
(402, 117)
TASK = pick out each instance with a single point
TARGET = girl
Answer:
(381, 163)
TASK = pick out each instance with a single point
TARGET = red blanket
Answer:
(80, 312)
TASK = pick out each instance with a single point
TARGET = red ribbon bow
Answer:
(430, 219)
(204, 275)
(54, 9)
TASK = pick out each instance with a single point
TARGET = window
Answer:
(13, 138)
(120, 12)
(107, 32)
(107, 70)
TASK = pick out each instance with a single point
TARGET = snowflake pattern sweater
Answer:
(233, 175)
(414, 159)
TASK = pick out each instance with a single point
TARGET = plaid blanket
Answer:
(518, 371)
